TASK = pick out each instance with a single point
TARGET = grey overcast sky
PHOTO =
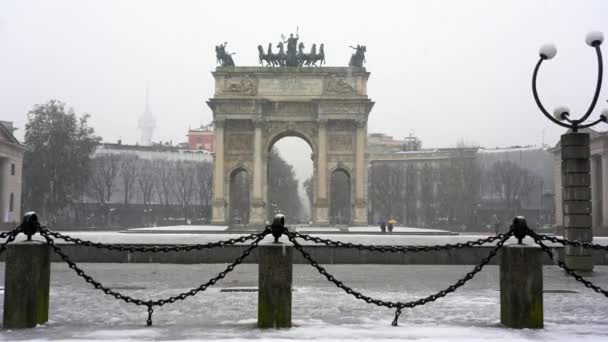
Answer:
(446, 71)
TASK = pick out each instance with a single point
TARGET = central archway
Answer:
(289, 167)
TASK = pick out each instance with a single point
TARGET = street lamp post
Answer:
(575, 155)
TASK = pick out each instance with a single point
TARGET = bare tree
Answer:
(146, 180)
(511, 183)
(128, 175)
(387, 190)
(103, 176)
(184, 186)
(204, 183)
(164, 182)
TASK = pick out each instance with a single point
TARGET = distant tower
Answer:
(146, 124)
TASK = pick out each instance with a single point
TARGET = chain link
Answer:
(154, 249)
(398, 305)
(539, 240)
(4, 235)
(10, 237)
(575, 243)
(159, 302)
(397, 249)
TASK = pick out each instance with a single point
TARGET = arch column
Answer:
(321, 214)
(258, 209)
(219, 200)
(360, 207)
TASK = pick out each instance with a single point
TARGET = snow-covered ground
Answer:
(303, 229)
(408, 230)
(177, 229)
(320, 310)
(360, 238)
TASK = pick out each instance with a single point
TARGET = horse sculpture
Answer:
(321, 55)
(263, 57)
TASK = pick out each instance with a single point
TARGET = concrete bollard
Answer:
(576, 180)
(521, 287)
(26, 284)
(274, 285)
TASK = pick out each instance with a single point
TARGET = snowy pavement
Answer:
(320, 310)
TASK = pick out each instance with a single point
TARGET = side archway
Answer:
(340, 197)
(239, 198)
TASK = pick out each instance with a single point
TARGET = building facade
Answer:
(463, 188)
(201, 138)
(11, 161)
(419, 187)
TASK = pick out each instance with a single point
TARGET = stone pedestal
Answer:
(576, 181)
(274, 285)
(521, 287)
(26, 284)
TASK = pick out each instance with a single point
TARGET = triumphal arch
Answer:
(253, 107)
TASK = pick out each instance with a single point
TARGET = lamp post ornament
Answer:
(575, 156)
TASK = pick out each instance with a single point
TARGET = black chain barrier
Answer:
(396, 249)
(153, 249)
(398, 305)
(150, 304)
(539, 241)
(519, 230)
(575, 243)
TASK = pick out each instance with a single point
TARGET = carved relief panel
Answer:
(240, 85)
(340, 85)
(341, 142)
(236, 142)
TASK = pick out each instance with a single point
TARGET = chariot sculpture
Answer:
(294, 56)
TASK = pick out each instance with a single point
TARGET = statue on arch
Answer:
(357, 59)
(292, 49)
(223, 58)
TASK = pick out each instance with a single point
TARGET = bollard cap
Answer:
(278, 226)
(520, 228)
(30, 224)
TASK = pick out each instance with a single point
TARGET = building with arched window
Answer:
(11, 158)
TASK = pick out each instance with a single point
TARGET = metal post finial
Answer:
(520, 228)
(278, 226)
(30, 224)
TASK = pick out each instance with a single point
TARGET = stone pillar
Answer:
(360, 207)
(274, 285)
(576, 198)
(557, 174)
(604, 175)
(4, 193)
(26, 284)
(595, 193)
(322, 204)
(219, 202)
(521, 287)
(258, 212)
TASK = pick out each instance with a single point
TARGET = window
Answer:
(12, 169)
(11, 202)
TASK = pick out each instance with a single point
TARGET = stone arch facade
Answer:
(253, 107)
